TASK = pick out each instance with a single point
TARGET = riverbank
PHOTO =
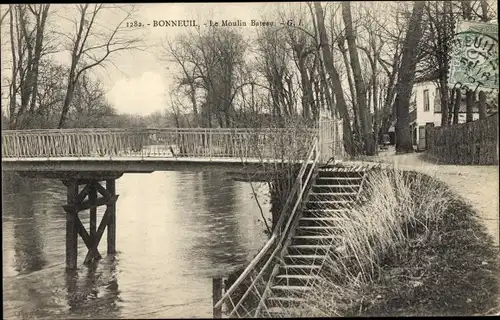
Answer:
(477, 185)
(454, 273)
(414, 249)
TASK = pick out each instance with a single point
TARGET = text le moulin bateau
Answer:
(212, 23)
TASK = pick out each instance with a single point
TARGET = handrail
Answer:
(152, 130)
(360, 190)
(279, 233)
(146, 142)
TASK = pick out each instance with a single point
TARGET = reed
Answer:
(399, 210)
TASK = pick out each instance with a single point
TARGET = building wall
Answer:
(424, 117)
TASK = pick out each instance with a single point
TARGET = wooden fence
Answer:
(467, 143)
(330, 141)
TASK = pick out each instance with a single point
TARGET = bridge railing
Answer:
(246, 295)
(261, 143)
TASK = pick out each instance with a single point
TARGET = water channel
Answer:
(175, 231)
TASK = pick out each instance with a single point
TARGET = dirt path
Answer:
(478, 185)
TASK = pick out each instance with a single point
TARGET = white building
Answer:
(425, 110)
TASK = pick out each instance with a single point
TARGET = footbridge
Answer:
(147, 150)
(88, 162)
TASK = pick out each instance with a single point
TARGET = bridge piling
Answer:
(217, 288)
(76, 203)
(111, 188)
(93, 211)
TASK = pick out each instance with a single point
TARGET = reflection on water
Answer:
(175, 231)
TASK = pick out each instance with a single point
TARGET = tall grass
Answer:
(399, 210)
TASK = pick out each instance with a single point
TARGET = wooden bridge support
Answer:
(76, 202)
(217, 290)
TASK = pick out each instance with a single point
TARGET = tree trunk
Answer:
(67, 101)
(469, 104)
(307, 94)
(195, 107)
(335, 79)
(364, 112)
(12, 87)
(456, 109)
(444, 37)
(469, 95)
(375, 108)
(352, 89)
(450, 104)
(390, 92)
(466, 9)
(40, 29)
(406, 78)
(443, 89)
(484, 10)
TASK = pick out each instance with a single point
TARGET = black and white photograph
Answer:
(171, 160)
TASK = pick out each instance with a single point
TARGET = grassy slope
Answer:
(441, 262)
(456, 272)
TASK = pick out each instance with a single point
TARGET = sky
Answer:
(140, 81)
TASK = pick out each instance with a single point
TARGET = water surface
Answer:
(175, 231)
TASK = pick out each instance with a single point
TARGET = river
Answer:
(175, 231)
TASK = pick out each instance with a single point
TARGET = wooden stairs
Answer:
(334, 191)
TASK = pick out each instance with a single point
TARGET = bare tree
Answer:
(390, 62)
(406, 78)
(373, 53)
(50, 95)
(436, 48)
(364, 112)
(89, 106)
(27, 31)
(212, 68)
(4, 14)
(177, 54)
(485, 17)
(94, 43)
(274, 65)
(301, 42)
(327, 57)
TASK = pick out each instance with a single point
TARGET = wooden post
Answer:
(216, 296)
(469, 103)
(93, 211)
(71, 225)
(111, 188)
(482, 105)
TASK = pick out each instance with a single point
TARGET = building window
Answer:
(437, 99)
(426, 100)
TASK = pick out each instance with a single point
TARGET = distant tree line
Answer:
(42, 92)
(356, 61)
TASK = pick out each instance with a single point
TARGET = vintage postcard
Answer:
(267, 160)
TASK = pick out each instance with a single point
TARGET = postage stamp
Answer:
(474, 61)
